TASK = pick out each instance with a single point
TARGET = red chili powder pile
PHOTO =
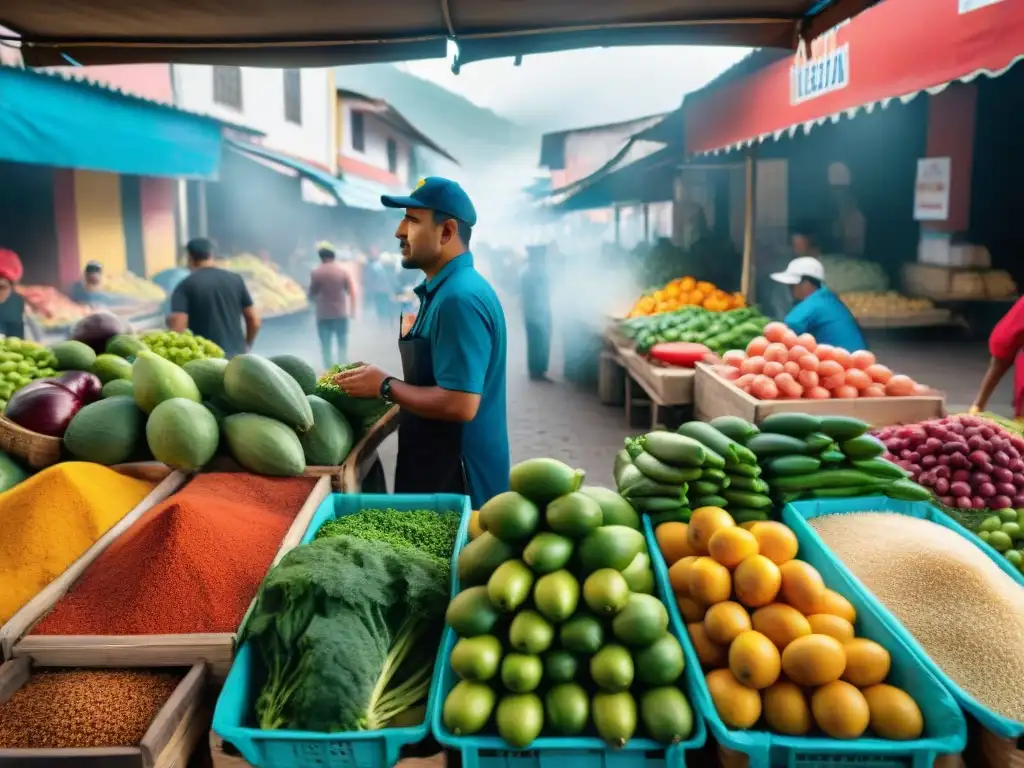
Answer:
(189, 565)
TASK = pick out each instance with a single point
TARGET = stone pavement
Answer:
(558, 421)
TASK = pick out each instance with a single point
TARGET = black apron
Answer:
(429, 452)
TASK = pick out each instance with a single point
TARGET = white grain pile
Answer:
(966, 613)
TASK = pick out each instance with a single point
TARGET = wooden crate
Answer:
(363, 455)
(717, 397)
(35, 608)
(215, 649)
(169, 741)
(940, 283)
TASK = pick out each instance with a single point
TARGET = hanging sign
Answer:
(931, 189)
(824, 69)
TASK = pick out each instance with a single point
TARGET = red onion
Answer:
(926, 479)
(961, 476)
(987, 432)
(943, 471)
(1016, 465)
(1018, 480)
(941, 486)
(944, 460)
(86, 385)
(46, 410)
(97, 329)
(947, 500)
(959, 461)
(929, 461)
(963, 502)
(1006, 489)
(978, 457)
(1000, 502)
(1017, 442)
(985, 490)
(1000, 459)
(978, 503)
(1002, 475)
(977, 478)
(1018, 501)
(960, 489)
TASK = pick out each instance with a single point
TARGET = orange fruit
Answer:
(711, 654)
(814, 660)
(775, 541)
(679, 574)
(780, 623)
(731, 546)
(709, 581)
(894, 714)
(724, 621)
(748, 525)
(737, 705)
(754, 660)
(867, 662)
(840, 710)
(704, 523)
(834, 603)
(802, 586)
(833, 626)
(690, 608)
(757, 581)
(672, 542)
(786, 709)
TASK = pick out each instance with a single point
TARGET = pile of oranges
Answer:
(776, 644)
(687, 292)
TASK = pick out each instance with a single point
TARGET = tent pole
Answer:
(748, 278)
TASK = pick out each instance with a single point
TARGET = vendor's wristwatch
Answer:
(385, 389)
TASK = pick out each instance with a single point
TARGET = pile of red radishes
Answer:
(782, 365)
(968, 462)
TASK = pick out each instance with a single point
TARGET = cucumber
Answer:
(622, 460)
(788, 496)
(633, 447)
(675, 450)
(708, 501)
(766, 445)
(818, 441)
(681, 515)
(863, 447)
(662, 472)
(656, 504)
(746, 515)
(907, 490)
(850, 492)
(745, 470)
(842, 427)
(793, 465)
(747, 499)
(713, 460)
(714, 475)
(705, 488)
(735, 428)
(793, 424)
(724, 446)
(829, 478)
(832, 456)
(880, 468)
(752, 484)
(629, 477)
(647, 488)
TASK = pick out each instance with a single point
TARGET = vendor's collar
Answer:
(429, 287)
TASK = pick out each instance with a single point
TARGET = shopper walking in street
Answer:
(213, 303)
(536, 299)
(453, 436)
(380, 287)
(1005, 344)
(333, 288)
(818, 311)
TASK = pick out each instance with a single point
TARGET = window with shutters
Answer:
(392, 156)
(227, 87)
(358, 125)
(293, 96)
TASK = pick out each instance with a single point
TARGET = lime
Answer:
(1008, 515)
(990, 524)
(984, 535)
(1015, 557)
(1011, 529)
(999, 541)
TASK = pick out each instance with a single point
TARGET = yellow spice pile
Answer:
(966, 613)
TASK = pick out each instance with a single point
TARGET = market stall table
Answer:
(665, 387)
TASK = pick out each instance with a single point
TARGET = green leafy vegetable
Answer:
(347, 631)
(421, 529)
(362, 412)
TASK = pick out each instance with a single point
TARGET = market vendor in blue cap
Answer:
(453, 436)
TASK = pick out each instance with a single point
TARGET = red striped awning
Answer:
(897, 49)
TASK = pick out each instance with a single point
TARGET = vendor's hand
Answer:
(363, 381)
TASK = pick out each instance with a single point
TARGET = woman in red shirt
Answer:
(1005, 344)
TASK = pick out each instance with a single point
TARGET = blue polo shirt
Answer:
(824, 316)
(461, 315)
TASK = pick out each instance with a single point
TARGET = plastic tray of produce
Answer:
(945, 727)
(305, 749)
(491, 751)
(795, 515)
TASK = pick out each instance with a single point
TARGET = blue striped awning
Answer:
(356, 192)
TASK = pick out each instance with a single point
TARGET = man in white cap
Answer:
(818, 311)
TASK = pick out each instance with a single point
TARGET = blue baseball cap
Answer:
(435, 193)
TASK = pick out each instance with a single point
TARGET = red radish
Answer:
(734, 357)
(817, 393)
(829, 368)
(788, 388)
(777, 353)
(858, 379)
(807, 341)
(846, 392)
(753, 364)
(789, 338)
(727, 372)
(757, 346)
(746, 380)
(791, 368)
(899, 386)
(842, 357)
(807, 379)
(834, 382)
(775, 331)
(772, 369)
(764, 388)
(873, 390)
(825, 351)
(809, 362)
(862, 359)
(878, 373)
(797, 351)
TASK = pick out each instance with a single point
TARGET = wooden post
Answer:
(749, 276)
(647, 223)
(618, 224)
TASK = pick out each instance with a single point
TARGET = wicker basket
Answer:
(999, 752)
(38, 451)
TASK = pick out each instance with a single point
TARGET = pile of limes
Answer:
(22, 361)
(1004, 532)
(180, 348)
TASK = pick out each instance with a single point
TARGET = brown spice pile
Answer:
(74, 709)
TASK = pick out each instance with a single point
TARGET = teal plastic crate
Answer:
(491, 751)
(797, 514)
(304, 749)
(945, 727)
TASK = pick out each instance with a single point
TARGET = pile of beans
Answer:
(69, 709)
(966, 613)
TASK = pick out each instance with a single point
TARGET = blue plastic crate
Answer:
(796, 515)
(945, 727)
(491, 751)
(304, 749)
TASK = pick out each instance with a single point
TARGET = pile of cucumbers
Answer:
(719, 331)
(559, 631)
(669, 474)
(820, 457)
